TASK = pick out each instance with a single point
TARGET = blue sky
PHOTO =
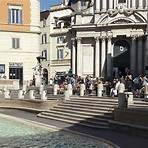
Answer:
(45, 4)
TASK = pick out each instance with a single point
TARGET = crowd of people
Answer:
(110, 87)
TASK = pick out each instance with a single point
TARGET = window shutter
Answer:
(46, 54)
(9, 15)
(18, 43)
(21, 17)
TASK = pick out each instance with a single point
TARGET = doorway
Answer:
(16, 73)
(121, 58)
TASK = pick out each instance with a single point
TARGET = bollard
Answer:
(82, 89)
(122, 101)
(41, 89)
(6, 94)
(31, 95)
(69, 87)
(55, 89)
(66, 95)
(146, 91)
(121, 88)
(129, 98)
(21, 94)
(24, 87)
(99, 90)
(43, 95)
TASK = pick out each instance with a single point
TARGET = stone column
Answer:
(110, 4)
(109, 58)
(129, 4)
(115, 3)
(79, 6)
(97, 57)
(146, 4)
(104, 5)
(140, 6)
(73, 56)
(140, 65)
(103, 57)
(79, 57)
(134, 4)
(133, 55)
(97, 6)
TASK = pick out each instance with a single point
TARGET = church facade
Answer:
(109, 37)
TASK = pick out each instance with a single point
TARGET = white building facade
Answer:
(58, 41)
(19, 38)
(109, 37)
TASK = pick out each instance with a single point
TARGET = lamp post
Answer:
(39, 74)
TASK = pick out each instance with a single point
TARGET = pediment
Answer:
(121, 16)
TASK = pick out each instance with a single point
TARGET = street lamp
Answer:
(39, 77)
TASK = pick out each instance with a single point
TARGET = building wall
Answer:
(53, 64)
(28, 33)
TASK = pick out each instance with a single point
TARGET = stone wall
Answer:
(132, 116)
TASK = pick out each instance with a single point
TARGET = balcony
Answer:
(63, 62)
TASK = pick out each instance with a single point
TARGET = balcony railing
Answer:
(61, 62)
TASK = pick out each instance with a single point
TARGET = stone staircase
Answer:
(86, 111)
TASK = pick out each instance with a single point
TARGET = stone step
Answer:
(95, 100)
(99, 109)
(141, 102)
(87, 105)
(88, 124)
(76, 118)
(80, 112)
(90, 103)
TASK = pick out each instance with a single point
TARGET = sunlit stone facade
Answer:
(109, 37)
(19, 38)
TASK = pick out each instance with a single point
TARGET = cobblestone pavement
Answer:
(121, 139)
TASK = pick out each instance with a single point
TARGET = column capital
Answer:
(79, 39)
(134, 37)
(97, 38)
(109, 37)
(73, 41)
(103, 38)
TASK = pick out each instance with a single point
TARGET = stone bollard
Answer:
(69, 87)
(44, 95)
(82, 90)
(21, 94)
(24, 87)
(31, 94)
(6, 94)
(146, 91)
(100, 90)
(121, 88)
(122, 100)
(55, 89)
(41, 89)
(129, 98)
(66, 95)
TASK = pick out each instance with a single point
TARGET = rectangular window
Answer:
(44, 39)
(83, 3)
(60, 40)
(2, 68)
(60, 54)
(15, 43)
(44, 54)
(121, 1)
(15, 15)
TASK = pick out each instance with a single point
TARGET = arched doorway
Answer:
(45, 76)
(121, 58)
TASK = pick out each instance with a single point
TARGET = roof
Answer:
(44, 15)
